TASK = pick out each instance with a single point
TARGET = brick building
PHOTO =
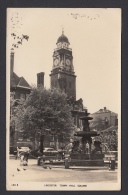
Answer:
(19, 88)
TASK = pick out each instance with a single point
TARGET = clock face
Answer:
(68, 62)
(56, 61)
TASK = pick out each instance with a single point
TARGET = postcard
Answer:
(63, 116)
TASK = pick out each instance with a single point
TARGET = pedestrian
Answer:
(24, 158)
(26, 155)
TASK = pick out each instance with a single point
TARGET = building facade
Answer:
(19, 88)
(103, 119)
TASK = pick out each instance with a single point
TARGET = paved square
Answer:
(35, 173)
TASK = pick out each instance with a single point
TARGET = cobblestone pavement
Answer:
(35, 173)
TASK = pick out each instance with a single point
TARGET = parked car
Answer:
(50, 154)
(58, 154)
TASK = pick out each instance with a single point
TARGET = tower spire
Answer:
(62, 31)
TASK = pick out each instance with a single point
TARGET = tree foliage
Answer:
(110, 138)
(45, 109)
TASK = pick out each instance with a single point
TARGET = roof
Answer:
(19, 81)
(101, 111)
(62, 38)
(23, 82)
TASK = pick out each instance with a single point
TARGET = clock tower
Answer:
(62, 74)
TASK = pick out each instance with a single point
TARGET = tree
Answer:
(45, 110)
(110, 138)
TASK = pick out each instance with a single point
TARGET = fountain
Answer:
(82, 153)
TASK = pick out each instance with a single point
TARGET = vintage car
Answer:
(49, 154)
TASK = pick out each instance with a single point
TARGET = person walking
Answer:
(26, 155)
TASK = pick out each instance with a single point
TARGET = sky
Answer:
(95, 39)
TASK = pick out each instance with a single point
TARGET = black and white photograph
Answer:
(63, 114)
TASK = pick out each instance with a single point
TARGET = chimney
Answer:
(104, 108)
(11, 63)
(40, 79)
